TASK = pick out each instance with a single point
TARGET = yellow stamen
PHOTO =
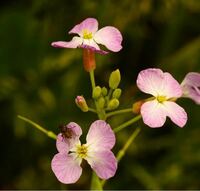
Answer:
(87, 34)
(82, 151)
(161, 99)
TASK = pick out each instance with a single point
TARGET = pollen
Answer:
(82, 151)
(161, 99)
(87, 34)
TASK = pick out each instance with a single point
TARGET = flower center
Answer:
(87, 34)
(82, 151)
(161, 99)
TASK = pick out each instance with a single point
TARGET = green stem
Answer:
(122, 151)
(119, 112)
(110, 93)
(100, 112)
(48, 133)
(92, 110)
(95, 183)
(122, 126)
(92, 79)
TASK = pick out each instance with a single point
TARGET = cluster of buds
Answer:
(104, 99)
(114, 81)
(108, 99)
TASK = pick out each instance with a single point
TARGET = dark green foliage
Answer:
(41, 83)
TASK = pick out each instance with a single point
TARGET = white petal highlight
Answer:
(74, 43)
(91, 43)
(100, 136)
(151, 81)
(89, 24)
(109, 37)
(153, 114)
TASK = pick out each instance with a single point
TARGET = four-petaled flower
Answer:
(165, 90)
(89, 37)
(191, 86)
(97, 152)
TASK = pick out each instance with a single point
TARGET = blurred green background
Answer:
(41, 82)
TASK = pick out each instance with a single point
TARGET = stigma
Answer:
(82, 151)
(161, 99)
(87, 34)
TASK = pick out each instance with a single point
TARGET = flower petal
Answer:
(74, 43)
(100, 136)
(91, 43)
(171, 87)
(191, 86)
(65, 144)
(103, 163)
(150, 81)
(153, 114)
(176, 113)
(192, 93)
(89, 24)
(153, 81)
(75, 128)
(192, 79)
(109, 37)
(66, 168)
(93, 49)
(62, 144)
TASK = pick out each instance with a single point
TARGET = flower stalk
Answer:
(126, 124)
(42, 129)
(119, 112)
(122, 151)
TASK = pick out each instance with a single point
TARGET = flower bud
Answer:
(137, 106)
(113, 104)
(117, 93)
(89, 59)
(101, 102)
(81, 103)
(104, 91)
(96, 92)
(114, 79)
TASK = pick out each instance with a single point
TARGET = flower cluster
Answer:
(162, 86)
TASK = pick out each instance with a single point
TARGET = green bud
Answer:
(117, 93)
(81, 103)
(114, 79)
(113, 104)
(96, 92)
(101, 102)
(104, 91)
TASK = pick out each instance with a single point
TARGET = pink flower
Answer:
(165, 90)
(191, 86)
(97, 151)
(89, 37)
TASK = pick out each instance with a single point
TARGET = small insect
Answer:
(66, 132)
